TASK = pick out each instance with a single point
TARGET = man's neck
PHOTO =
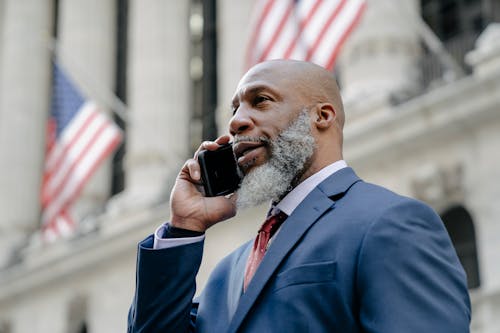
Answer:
(292, 199)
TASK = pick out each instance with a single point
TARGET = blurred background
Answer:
(101, 102)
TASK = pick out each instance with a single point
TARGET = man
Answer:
(350, 256)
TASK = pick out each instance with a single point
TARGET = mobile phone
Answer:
(219, 171)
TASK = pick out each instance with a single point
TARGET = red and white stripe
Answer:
(311, 30)
(86, 141)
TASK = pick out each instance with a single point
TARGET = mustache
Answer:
(245, 138)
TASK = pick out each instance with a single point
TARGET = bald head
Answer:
(312, 83)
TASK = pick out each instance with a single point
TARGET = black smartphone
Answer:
(219, 171)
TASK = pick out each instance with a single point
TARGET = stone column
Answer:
(87, 44)
(24, 105)
(158, 99)
(380, 58)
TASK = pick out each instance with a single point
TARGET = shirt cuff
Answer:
(164, 243)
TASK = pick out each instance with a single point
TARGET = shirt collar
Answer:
(295, 197)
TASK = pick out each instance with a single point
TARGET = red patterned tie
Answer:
(267, 231)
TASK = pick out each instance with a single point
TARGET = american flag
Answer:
(79, 138)
(310, 30)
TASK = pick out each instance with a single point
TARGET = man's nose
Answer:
(241, 122)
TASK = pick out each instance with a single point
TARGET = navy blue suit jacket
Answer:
(353, 257)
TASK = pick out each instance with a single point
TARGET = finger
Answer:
(233, 198)
(206, 145)
(222, 140)
(194, 170)
(227, 207)
(212, 145)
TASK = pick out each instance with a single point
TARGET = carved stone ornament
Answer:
(439, 186)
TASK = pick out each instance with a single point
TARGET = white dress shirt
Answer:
(286, 205)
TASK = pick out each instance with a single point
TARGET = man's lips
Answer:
(245, 151)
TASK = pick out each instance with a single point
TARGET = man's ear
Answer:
(325, 116)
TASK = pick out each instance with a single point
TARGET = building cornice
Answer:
(442, 113)
(116, 238)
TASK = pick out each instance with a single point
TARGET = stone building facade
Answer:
(437, 141)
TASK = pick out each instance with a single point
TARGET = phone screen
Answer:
(219, 171)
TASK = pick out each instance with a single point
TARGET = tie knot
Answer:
(273, 223)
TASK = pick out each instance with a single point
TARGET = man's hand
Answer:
(190, 209)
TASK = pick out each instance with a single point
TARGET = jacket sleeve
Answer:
(409, 277)
(165, 286)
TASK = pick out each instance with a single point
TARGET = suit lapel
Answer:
(236, 280)
(305, 215)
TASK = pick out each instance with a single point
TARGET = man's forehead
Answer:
(257, 81)
(257, 75)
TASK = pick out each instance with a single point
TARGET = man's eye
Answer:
(260, 99)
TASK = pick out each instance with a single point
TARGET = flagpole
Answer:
(102, 94)
(431, 40)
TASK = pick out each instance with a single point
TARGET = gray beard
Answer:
(291, 152)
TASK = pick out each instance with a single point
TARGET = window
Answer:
(450, 19)
(457, 23)
(460, 227)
